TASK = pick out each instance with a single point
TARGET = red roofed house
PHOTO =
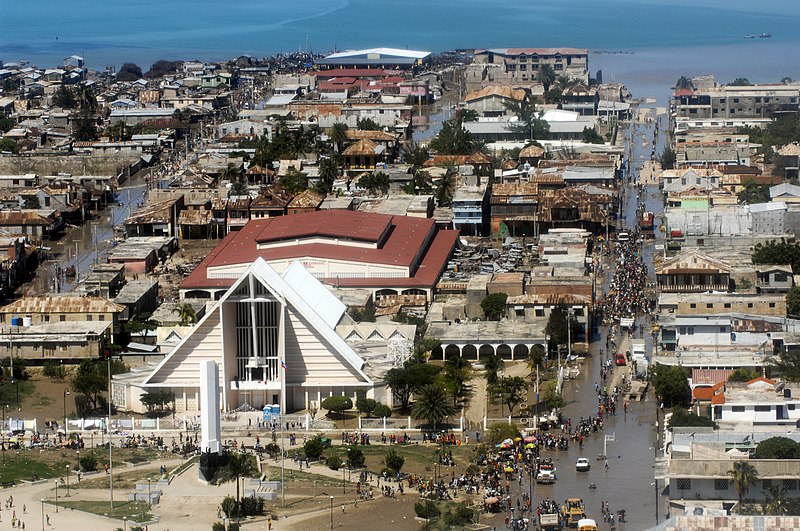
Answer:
(393, 255)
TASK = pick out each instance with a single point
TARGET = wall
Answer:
(75, 165)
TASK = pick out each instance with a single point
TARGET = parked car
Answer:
(582, 465)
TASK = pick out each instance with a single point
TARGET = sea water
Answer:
(664, 39)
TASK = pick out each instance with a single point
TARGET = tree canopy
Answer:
(778, 252)
(494, 306)
(511, 391)
(684, 419)
(667, 158)
(591, 136)
(793, 301)
(529, 123)
(684, 83)
(294, 181)
(557, 326)
(740, 82)
(406, 380)
(129, 72)
(375, 183)
(671, 385)
(339, 404)
(743, 475)
(455, 377)
(753, 193)
(787, 365)
(453, 139)
(432, 405)
(162, 68)
(90, 380)
(778, 448)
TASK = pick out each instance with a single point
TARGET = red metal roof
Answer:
(342, 224)
(410, 242)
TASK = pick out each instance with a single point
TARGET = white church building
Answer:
(269, 332)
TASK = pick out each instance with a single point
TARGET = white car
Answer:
(582, 465)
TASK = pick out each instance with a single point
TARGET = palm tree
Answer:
(415, 154)
(743, 474)
(239, 466)
(546, 76)
(328, 172)
(86, 97)
(445, 189)
(564, 82)
(456, 375)
(432, 405)
(493, 364)
(775, 500)
(186, 313)
(338, 135)
(237, 188)
(684, 83)
(535, 357)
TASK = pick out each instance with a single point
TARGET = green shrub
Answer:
(394, 461)
(355, 457)
(334, 463)
(313, 447)
(272, 449)
(458, 515)
(88, 462)
(426, 509)
(234, 526)
(54, 371)
(777, 448)
(228, 506)
(381, 410)
(252, 506)
(338, 404)
(217, 526)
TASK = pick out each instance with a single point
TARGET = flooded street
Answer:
(86, 244)
(628, 482)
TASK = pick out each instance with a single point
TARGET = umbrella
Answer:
(491, 500)
(530, 439)
(509, 469)
(530, 445)
(517, 439)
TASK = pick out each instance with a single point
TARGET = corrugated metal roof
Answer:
(61, 304)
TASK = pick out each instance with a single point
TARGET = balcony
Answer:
(243, 385)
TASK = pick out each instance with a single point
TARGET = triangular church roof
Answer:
(298, 289)
(692, 261)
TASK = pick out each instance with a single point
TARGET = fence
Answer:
(245, 422)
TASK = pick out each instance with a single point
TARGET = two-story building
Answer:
(692, 271)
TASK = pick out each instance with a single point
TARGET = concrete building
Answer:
(471, 210)
(523, 64)
(692, 271)
(63, 308)
(738, 102)
(508, 339)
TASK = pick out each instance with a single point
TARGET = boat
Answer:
(765, 36)
(749, 37)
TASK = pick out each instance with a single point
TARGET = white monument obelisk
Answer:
(209, 408)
